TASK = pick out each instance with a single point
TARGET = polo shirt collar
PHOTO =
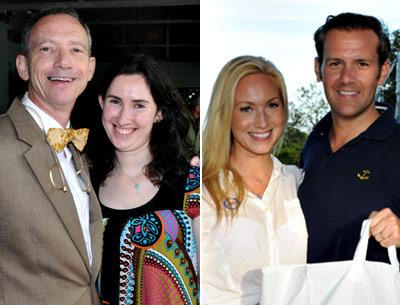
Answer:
(380, 129)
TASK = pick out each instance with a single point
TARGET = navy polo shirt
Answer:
(341, 189)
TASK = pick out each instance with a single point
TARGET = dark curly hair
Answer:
(168, 147)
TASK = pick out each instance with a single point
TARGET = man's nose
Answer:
(63, 59)
(347, 74)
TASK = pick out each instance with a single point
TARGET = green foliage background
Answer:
(303, 115)
(388, 92)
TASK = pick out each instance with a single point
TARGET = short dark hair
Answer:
(168, 145)
(26, 32)
(351, 22)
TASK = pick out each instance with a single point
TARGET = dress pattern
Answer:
(157, 253)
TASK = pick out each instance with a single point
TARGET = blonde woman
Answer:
(251, 216)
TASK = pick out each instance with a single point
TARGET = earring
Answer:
(157, 120)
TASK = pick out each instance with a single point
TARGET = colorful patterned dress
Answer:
(149, 254)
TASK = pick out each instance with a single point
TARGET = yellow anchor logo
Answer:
(364, 174)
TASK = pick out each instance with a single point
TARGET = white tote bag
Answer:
(356, 282)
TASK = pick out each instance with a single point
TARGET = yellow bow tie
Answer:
(58, 138)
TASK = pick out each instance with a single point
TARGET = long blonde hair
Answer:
(217, 138)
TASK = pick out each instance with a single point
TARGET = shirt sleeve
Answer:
(191, 203)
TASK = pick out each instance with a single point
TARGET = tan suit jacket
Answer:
(43, 257)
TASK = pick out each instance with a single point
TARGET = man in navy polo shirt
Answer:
(352, 157)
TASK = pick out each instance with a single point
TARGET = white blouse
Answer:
(266, 231)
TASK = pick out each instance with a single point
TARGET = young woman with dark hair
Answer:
(148, 191)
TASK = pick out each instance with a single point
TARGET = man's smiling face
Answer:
(350, 71)
(58, 65)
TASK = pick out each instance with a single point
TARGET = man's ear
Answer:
(92, 67)
(317, 69)
(21, 63)
(384, 73)
(101, 101)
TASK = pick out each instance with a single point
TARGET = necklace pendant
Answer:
(137, 188)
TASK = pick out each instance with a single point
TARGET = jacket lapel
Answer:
(41, 160)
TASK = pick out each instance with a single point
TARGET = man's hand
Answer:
(385, 227)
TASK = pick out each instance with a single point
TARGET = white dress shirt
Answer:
(270, 230)
(74, 182)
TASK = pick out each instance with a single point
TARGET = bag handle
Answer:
(361, 251)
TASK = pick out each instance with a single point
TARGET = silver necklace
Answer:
(136, 184)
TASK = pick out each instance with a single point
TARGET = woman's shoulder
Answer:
(287, 171)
